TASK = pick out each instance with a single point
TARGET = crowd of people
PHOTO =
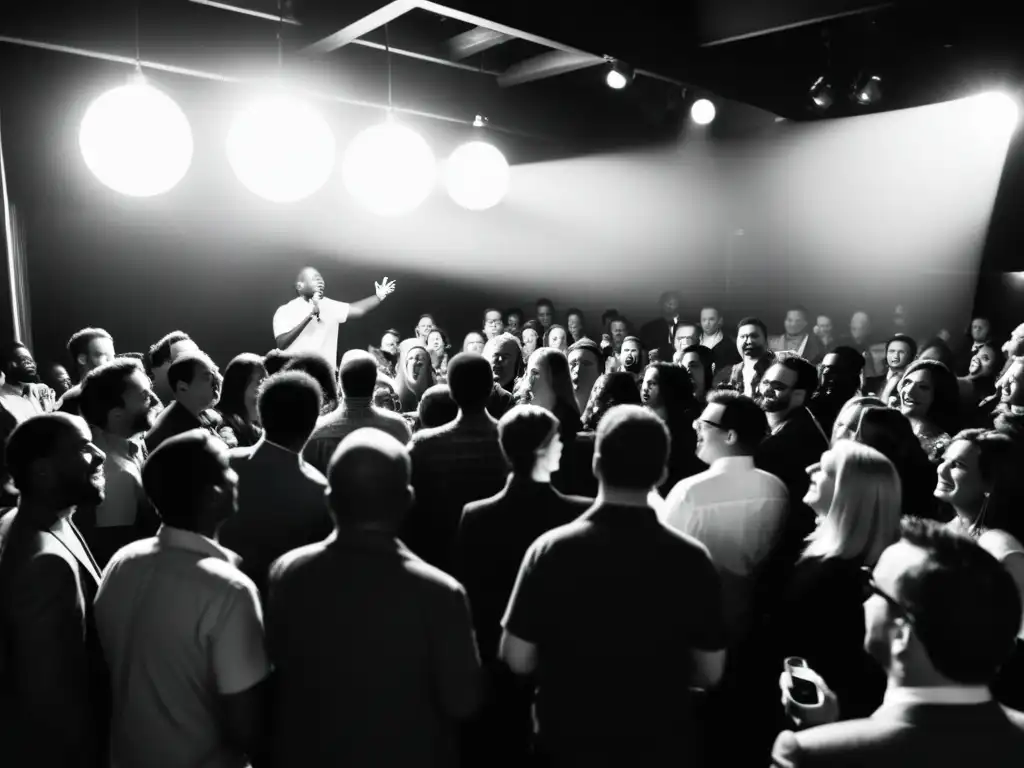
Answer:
(688, 543)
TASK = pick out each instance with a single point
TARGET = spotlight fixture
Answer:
(136, 140)
(389, 169)
(822, 94)
(702, 112)
(281, 149)
(480, 121)
(867, 90)
(477, 176)
(619, 75)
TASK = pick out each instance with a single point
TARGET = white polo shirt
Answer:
(179, 625)
(318, 335)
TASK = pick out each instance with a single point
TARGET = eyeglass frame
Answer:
(870, 587)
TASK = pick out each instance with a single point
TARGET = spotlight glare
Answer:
(702, 112)
(281, 149)
(615, 79)
(868, 91)
(477, 175)
(995, 114)
(389, 169)
(136, 140)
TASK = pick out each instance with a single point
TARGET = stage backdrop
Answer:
(842, 215)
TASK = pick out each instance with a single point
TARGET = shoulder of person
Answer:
(1000, 543)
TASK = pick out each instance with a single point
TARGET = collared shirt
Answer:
(749, 374)
(712, 341)
(353, 413)
(950, 695)
(123, 472)
(18, 402)
(737, 512)
(319, 335)
(180, 626)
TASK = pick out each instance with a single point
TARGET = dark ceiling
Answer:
(765, 54)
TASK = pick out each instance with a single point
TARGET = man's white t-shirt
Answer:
(318, 336)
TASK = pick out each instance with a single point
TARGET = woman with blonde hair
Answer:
(855, 492)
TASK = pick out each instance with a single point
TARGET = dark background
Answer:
(751, 214)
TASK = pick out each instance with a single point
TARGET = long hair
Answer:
(236, 380)
(676, 391)
(864, 517)
(999, 462)
(610, 389)
(944, 412)
(547, 336)
(561, 381)
(861, 402)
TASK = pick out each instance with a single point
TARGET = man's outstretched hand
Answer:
(384, 288)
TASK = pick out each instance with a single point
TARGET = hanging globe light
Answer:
(389, 169)
(281, 149)
(136, 140)
(477, 175)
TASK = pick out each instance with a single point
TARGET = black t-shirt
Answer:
(615, 602)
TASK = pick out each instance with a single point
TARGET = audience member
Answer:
(359, 377)
(514, 321)
(88, 349)
(436, 408)
(438, 347)
(848, 421)
(839, 376)
(798, 338)
(659, 333)
(556, 337)
(930, 398)
(56, 377)
(386, 355)
(195, 382)
(549, 385)
(575, 323)
(545, 313)
(941, 616)
(855, 492)
(280, 497)
(415, 376)
(900, 352)
(240, 421)
(724, 351)
(21, 398)
(752, 344)
(585, 361)
(493, 538)
(494, 323)
(181, 626)
(699, 363)
(324, 373)
(161, 355)
(118, 403)
(531, 338)
(454, 464)
(373, 649)
(619, 695)
(423, 328)
(668, 391)
(54, 692)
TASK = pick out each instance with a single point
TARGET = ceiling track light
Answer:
(867, 90)
(619, 75)
(822, 94)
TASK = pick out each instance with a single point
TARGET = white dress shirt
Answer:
(952, 694)
(737, 512)
(318, 335)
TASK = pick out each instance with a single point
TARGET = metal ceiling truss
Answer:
(560, 59)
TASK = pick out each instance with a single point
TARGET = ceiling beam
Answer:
(550, 64)
(362, 26)
(473, 41)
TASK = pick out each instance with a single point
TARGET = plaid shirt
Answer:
(353, 413)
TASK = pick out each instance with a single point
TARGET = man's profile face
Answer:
(879, 615)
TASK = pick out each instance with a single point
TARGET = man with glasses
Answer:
(732, 508)
(494, 325)
(941, 618)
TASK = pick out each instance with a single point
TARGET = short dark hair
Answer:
(289, 404)
(587, 345)
(534, 326)
(236, 381)
(946, 356)
(669, 295)
(574, 311)
(470, 380)
(743, 416)
(79, 342)
(849, 357)
(437, 407)
(184, 368)
(806, 374)
(32, 440)
(160, 352)
(607, 316)
(798, 308)
(965, 606)
(275, 360)
(902, 337)
(542, 302)
(633, 445)
(707, 361)
(393, 332)
(753, 321)
(358, 374)
(7, 352)
(513, 311)
(180, 472)
(522, 431)
(320, 368)
(494, 309)
(103, 389)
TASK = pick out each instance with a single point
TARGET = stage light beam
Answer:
(281, 149)
(136, 140)
(477, 175)
(702, 112)
(995, 115)
(389, 169)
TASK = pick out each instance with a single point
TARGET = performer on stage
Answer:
(309, 322)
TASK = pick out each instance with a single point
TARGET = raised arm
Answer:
(383, 290)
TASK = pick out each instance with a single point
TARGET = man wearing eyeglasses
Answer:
(941, 618)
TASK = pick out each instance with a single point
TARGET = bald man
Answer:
(364, 633)
(309, 322)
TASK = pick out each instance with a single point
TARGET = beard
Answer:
(774, 405)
